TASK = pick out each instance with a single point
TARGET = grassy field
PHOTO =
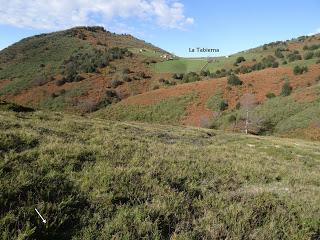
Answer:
(184, 65)
(97, 179)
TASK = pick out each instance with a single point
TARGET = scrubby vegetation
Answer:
(308, 55)
(286, 89)
(94, 179)
(234, 80)
(298, 70)
(240, 59)
(278, 53)
(33, 59)
(294, 56)
(89, 60)
(216, 102)
(277, 116)
(167, 111)
(270, 95)
(190, 77)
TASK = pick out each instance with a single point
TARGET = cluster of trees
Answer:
(89, 61)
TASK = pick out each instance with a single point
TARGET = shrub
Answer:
(284, 62)
(87, 106)
(234, 80)
(314, 46)
(275, 64)
(317, 54)
(142, 75)
(62, 92)
(297, 70)
(223, 105)
(116, 82)
(191, 77)
(318, 61)
(205, 73)
(78, 78)
(40, 80)
(270, 95)
(126, 71)
(308, 55)
(318, 79)
(232, 119)
(126, 78)
(278, 53)
(294, 56)
(54, 95)
(238, 106)
(268, 61)
(240, 59)
(286, 89)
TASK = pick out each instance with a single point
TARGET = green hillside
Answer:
(41, 59)
(282, 51)
(97, 179)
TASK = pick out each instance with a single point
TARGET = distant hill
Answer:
(58, 69)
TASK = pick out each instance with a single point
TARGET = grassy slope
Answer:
(40, 58)
(29, 54)
(168, 111)
(290, 116)
(94, 179)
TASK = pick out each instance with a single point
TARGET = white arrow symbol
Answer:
(43, 220)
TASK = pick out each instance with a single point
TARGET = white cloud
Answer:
(315, 32)
(59, 14)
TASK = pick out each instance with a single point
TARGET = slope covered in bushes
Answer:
(95, 179)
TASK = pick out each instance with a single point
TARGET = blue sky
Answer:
(173, 25)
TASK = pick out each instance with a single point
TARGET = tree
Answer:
(248, 103)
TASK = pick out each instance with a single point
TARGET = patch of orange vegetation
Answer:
(259, 83)
(95, 85)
